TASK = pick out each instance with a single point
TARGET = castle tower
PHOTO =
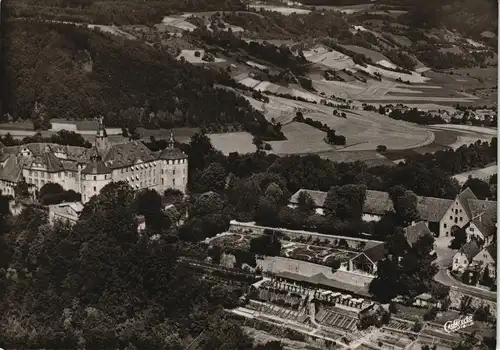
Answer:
(101, 139)
(171, 141)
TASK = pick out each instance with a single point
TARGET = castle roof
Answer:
(172, 154)
(97, 167)
(470, 249)
(127, 154)
(12, 169)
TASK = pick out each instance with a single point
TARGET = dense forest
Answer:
(100, 285)
(75, 73)
(118, 12)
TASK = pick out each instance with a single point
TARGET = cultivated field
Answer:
(191, 57)
(281, 9)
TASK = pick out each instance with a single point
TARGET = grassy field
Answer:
(240, 142)
(301, 138)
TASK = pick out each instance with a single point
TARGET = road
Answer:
(444, 261)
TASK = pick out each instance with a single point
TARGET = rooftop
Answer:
(470, 249)
(321, 280)
(414, 232)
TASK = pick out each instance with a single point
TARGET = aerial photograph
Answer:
(248, 175)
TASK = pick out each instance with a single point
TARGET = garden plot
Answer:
(231, 240)
(323, 255)
(190, 56)
(241, 142)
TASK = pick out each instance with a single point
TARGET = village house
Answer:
(367, 261)
(88, 170)
(483, 227)
(65, 212)
(463, 258)
(486, 258)
(416, 231)
(442, 216)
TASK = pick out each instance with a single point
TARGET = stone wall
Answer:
(352, 242)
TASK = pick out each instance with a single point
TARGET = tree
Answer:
(480, 188)
(269, 245)
(336, 265)
(266, 212)
(149, 204)
(213, 178)
(207, 203)
(381, 148)
(21, 189)
(459, 237)
(487, 280)
(405, 205)
(275, 193)
(305, 203)
(345, 202)
(51, 193)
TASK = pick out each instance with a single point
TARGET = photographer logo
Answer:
(457, 324)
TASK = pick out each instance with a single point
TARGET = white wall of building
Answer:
(92, 184)
(455, 215)
(174, 174)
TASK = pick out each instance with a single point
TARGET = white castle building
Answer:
(88, 170)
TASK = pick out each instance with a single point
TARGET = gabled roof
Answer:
(491, 250)
(470, 249)
(318, 197)
(478, 206)
(432, 209)
(486, 223)
(463, 199)
(414, 232)
(375, 253)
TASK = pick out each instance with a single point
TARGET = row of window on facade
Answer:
(36, 181)
(44, 174)
(173, 171)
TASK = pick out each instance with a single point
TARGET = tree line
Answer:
(85, 77)
(101, 284)
(330, 138)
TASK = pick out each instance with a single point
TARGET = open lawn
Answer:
(241, 142)
(301, 138)
(23, 125)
